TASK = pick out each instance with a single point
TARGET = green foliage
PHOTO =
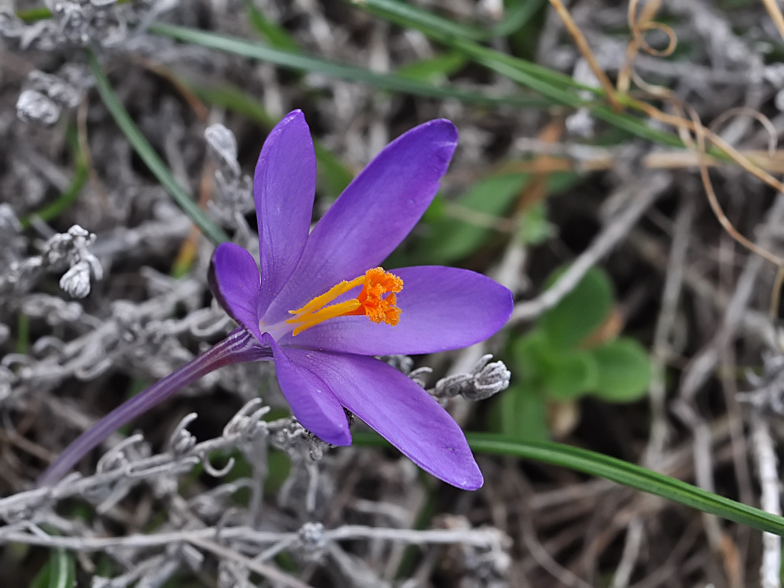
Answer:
(455, 230)
(305, 63)
(434, 69)
(72, 192)
(522, 413)
(569, 374)
(610, 468)
(534, 226)
(58, 572)
(279, 468)
(553, 363)
(624, 370)
(549, 83)
(274, 34)
(449, 239)
(580, 312)
(333, 175)
(150, 157)
(630, 475)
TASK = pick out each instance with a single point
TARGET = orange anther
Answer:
(371, 301)
(377, 308)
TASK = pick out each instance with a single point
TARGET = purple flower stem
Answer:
(239, 346)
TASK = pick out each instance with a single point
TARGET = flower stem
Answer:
(239, 346)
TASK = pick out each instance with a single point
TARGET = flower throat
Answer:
(376, 300)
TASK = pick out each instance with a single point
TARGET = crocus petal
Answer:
(283, 187)
(402, 412)
(377, 210)
(441, 308)
(234, 281)
(311, 400)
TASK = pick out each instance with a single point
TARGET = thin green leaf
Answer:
(275, 34)
(71, 194)
(404, 13)
(615, 470)
(434, 69)
(547, 82)
(630, 475)
(62, 569)
(233, 98)
(150, 157)
(443, 31)
(31, 15)
(41, 579)
(300, 62)
(42, 12)
(514, 18)
(333, 174)
(522, 72)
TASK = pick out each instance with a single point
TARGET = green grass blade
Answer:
(275, 34)
(334, 176)
(63, 202)
(62, 569)
(615, 470)
(150, 157)
(31, 15)
(406, 14)
(234, 99)
(549, 83)
(630, 475)
(517, 69)
(435, 68)
(301, 62)
(516, 17)
(41, 579)
(441, 30)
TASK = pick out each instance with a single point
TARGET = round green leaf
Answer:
(580, 312)
(522, 414)
(624, 370)
(569, 374)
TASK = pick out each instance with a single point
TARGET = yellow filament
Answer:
(323, 314)
(329, 296)
(370, 302)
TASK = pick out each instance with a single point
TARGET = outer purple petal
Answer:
(311, 400)
(399, 410)
(377, 210)
(283, 187)
(441, 308)
(234, 281)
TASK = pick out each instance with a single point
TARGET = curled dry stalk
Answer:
(639, 26)
(585, 49)
(775, 15)
(691, 127)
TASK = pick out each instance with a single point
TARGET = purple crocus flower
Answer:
(321, 308)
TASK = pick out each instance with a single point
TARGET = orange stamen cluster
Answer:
(370, 301)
